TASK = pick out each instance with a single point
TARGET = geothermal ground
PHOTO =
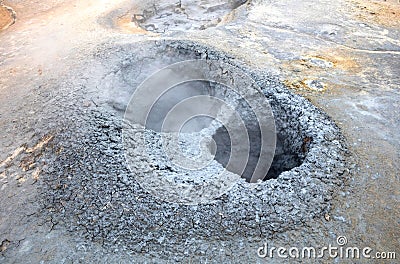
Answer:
(74, 184)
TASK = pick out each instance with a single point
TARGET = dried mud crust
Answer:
(184, 14)
(88, 188)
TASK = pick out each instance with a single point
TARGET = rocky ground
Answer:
(61, 124)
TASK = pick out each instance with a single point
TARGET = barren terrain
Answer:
(59, 63)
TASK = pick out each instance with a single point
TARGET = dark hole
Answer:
(285, 159)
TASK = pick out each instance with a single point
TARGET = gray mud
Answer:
(88, 188)
(184, 15)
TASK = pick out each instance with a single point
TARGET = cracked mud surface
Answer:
(54, 122)
(184, 15)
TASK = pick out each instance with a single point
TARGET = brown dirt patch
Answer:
(6, 18)
(382, 12)
(316, 72)
(126, 24)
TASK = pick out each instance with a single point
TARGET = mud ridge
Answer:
(12, 13)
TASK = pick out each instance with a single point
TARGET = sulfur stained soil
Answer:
(343, 56)
(6, 18)
(383, 12)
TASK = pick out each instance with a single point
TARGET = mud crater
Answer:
(88, 188)
(115, 91)
(184, 14)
